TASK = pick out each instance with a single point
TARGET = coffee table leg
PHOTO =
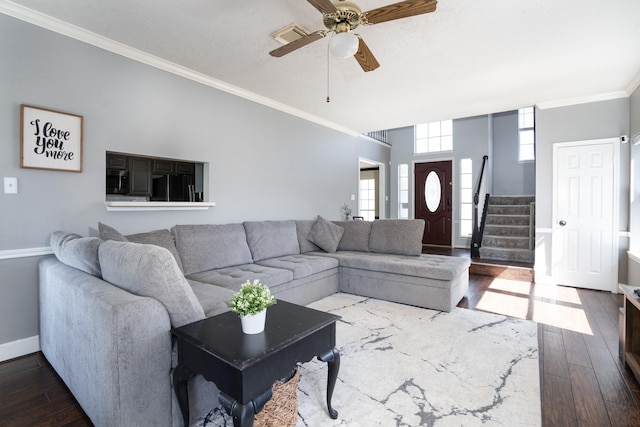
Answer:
(332, 357)
(181, 376)
(243, 415)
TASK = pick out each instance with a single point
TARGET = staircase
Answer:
(509, 229)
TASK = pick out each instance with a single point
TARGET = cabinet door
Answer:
(116, 162)
(183, 168)
(139, 177)
(163, 167)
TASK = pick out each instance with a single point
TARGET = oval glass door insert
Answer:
(432, 191)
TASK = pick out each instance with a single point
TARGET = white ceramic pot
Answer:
(254, 323)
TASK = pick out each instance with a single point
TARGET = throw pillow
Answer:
(77, 251)
(325, 234)
(110, 233)
(303, 228)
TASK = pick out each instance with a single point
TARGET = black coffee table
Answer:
(244, 367)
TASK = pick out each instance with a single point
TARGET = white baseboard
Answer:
(13, 349)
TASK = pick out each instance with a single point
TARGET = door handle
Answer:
(562, 223)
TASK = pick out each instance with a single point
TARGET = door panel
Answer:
(433, 201)
(583, 242)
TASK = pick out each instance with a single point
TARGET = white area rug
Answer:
(406, 366)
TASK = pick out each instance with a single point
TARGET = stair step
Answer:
(511, 200)
(505, 242)
(508, 210)
(507, 254)
(498, 219)
(506, 230)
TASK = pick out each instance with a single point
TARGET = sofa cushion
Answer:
(301, 265)
(303, 228)
(397, 236)
(233, 277)
(271, 239)
(150, 271)
(205, 247)
(77, 251)
(213, 299)
(162, 238)
(356, 235)
(325, 234)
(439, 267)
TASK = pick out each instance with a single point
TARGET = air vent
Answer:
(290, 33)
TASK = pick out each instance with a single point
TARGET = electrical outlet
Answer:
(10, 185)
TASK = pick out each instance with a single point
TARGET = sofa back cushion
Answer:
(150, 271)
(397, 236)
(77, 251)
(271, 239)
(356, 235)
(162, 238)
(211, 246)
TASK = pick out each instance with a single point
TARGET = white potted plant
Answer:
(251, 303)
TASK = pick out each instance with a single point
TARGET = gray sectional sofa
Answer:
(108, 303)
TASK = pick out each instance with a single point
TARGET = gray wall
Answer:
(634, 204)
(264, 164)
(594, 120)
(510, 177)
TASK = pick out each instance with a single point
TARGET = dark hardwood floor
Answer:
(583, 382)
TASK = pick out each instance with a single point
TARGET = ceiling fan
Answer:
(341, 17)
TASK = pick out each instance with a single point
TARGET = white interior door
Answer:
(585, 214)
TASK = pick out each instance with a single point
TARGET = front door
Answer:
(433, 189)
(585, 208)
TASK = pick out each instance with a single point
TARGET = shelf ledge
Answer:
(158, 206)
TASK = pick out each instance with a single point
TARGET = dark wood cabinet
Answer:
(139, 176)
(163, 167)
(156, 178)
(116, 161)
(184, 168)
(630, 340)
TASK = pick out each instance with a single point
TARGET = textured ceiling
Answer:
(467, 58)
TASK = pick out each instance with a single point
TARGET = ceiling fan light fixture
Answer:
(343, 45)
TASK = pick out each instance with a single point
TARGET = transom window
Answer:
(527, 132)
(434, 137)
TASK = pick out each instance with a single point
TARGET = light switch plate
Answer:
(10, 185)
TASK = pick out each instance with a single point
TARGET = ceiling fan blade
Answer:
(365, 58)
(403, 9)
(297, 44)
(324, 6)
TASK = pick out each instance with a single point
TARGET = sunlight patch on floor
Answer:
(557, 293)
(561, 316)
(508, 305)
(558, 306)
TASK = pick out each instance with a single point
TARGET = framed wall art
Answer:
(50, 139)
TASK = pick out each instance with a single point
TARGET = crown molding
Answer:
(58, 26)
(582, 100)
(634, 84)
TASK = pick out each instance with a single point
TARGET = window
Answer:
(434, 137)
(466, 197)
(368, 199)
(526, 126)
(403, 191)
